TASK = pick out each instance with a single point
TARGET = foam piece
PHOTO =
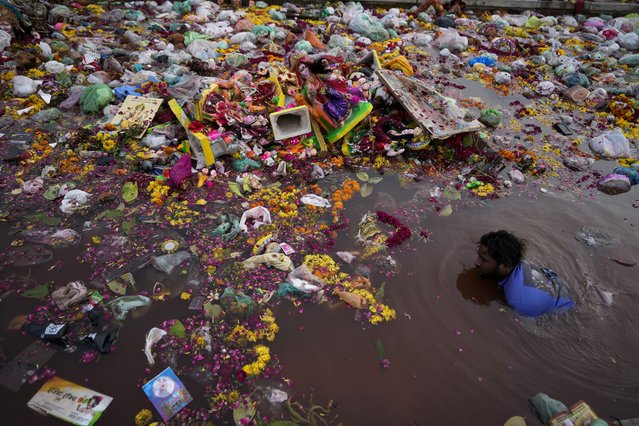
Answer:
(291, 122)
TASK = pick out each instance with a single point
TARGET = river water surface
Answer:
(458, 354)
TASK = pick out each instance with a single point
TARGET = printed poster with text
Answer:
(138, 112)
(70, 402)
(167, 393)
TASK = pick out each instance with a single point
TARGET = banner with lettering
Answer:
(70, 402)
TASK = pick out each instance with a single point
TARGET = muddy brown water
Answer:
(458, 354)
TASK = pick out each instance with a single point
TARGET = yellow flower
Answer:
(185, 295)
(143, 418)
(263, 358)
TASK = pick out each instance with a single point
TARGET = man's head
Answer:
(498, 254)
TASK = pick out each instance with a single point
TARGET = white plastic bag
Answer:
(303, 279)
(240, 38)
(449, 38)
(152, 337)
(260, 215)
(315, 200)
(5, 40)
(55, 67)
(611, 144)
(203, 49)
(75, 200)
(24, 86)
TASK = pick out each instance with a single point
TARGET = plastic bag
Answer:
(182, 7)
(277, 15)
(33, 186)
(303, 279)
(315, 200)
(5, 40)
(187, 88)
(95, 98)
(545, 88)
(369, 26)
(575, 79)
(24, 86)
(350, 11)
(544, 407)
(611, 144)
(303, 46)
(614, 184)
(59, 238)
(75, 200)
(236, 60)
(491, 117)
(629, 172)
(166, 263)
(449, 38)
(337, 40)
(203, 49)
(122, 305)
(260, 215)
(503, 77)
(180, 171)
(70, 294)
(240, 38)
(238, 304)
(630, 60)
(47, 115)
(274, 260)
(484, 60)
(152, 337)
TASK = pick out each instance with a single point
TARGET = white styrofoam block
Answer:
(291, 122)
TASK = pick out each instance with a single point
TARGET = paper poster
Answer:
(137, 111)
(70, 402)
(167, 393)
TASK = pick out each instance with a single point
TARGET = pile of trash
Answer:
(223, 146)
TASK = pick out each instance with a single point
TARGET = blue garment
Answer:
(533, 293)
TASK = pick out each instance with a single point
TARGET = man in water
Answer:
(529, 290)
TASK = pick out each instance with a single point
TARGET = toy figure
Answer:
(323, 91)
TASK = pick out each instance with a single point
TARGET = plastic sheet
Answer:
(259, 215)
(166, 263)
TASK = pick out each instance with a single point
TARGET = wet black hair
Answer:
(504, 247)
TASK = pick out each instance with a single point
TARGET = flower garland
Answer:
(401, 233)
(263, 358)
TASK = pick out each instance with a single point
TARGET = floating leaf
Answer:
(47, 220)
(130, 191)
(446, 211)
(376, 180)
(235, 188)
(52, 192)
(244, 412)
(177, 329)
(38, 292)
(381, 353)
(451, 193)
(363, 176)
(110, 214)
(128, 226)
(379, 294)
(366, 190)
